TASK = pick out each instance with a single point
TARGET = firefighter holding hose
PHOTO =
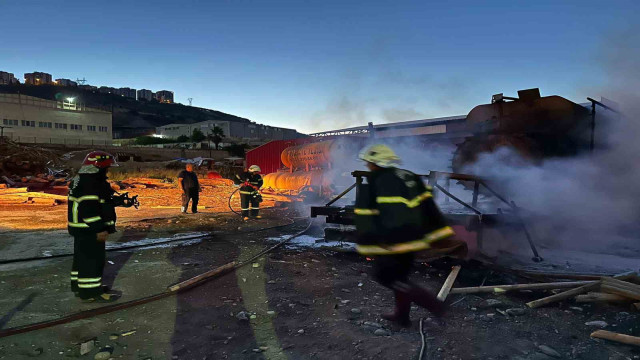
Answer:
(250, 183)
(91, 218)
(396, 217)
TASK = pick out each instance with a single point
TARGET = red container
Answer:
(267, 156)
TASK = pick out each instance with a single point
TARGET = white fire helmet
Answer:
(254, 168)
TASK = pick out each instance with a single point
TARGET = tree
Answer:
(182, 138)
(215, 136)
(236, 149)
(197, 136)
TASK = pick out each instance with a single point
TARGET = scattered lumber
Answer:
(621, 338)
(13, 191)
(586, 288)
(446, 287)
(600, 297)
(536, 286)
(621, 288)
(563, 295)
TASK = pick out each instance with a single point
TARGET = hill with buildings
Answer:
(131, 117)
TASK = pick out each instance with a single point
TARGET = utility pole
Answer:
(81, 81)
(190, 100)
(2, 132)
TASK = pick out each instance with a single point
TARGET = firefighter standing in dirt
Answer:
(395, 217)
(92, 217)
(250, 183)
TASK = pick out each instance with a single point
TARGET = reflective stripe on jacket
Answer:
(395, 213)
(90, 208)
(255, 180)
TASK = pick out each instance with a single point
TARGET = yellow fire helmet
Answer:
(254, 168)
(381, 155)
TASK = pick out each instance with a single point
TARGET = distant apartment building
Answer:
(106, 90)
(37, 78)
(66, 82)
(88, 87)
(7, 78)
(126, 92)
(233, 130)
(165, 96)
(145, 94)
(29, 119)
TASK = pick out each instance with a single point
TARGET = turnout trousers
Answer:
(89, 256)
(250, 205)
(392, 271)
(190, 195)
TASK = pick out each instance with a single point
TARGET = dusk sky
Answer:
(321, 65)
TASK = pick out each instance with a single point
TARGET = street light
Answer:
(70, 99)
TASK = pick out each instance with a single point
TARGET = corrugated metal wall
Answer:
(267, 156)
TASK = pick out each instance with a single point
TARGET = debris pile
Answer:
(26, 160)
(620, 289)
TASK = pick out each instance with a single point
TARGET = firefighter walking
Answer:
(250, 183)
(396, 217)
(91, 218)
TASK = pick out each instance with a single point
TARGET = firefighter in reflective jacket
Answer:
(250, 183)
(92, 218)
(395, 217)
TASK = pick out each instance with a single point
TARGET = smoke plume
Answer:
(589, 202)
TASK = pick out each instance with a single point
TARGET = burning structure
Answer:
(531, 127)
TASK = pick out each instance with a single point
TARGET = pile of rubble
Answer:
(26, 160)
(621, 289)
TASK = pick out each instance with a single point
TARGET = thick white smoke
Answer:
(591, 202)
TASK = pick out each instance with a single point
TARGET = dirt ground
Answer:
(294, 303)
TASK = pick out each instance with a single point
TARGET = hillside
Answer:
(137, 116)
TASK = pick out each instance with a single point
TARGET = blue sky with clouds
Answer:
(318, 65)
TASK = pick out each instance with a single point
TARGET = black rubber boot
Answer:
(422, 297)
(400, 316)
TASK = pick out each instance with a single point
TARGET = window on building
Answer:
(76, 127)
(28, 123)
(44, 124)
(103, 129)
(61, 126)
(5, 121)
(91, 128)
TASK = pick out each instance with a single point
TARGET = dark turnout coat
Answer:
(395, 213)
(253, 182)
(91, 208)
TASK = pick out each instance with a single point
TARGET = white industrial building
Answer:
(235, 130)
(33, 120)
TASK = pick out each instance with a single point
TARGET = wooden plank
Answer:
(536, 286)
(13, 191)
(622, 284)
(600, 297)
(620, 291)
(446, 287)
(621, 338)
(567, 294)
(563, 295)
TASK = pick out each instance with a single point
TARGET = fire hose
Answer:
(129, 247)
(171, 290)
(246, 183)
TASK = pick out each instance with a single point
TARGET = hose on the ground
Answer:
(424, 341)
(115, 307)
(129, 247)
(230, 197)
